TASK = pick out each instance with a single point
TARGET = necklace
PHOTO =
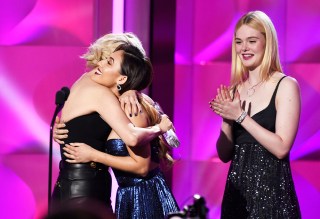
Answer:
(252, 89)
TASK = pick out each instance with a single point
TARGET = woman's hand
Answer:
(165, 123)
(59, 131)
(130, 103)
(78, 153)
(224, 106)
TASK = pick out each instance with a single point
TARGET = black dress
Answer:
(259, 185)
(84, 182)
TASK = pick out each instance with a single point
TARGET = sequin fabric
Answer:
(259, 185)
(140, 197)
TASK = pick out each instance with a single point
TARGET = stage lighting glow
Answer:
(22, 108)
(117, 16)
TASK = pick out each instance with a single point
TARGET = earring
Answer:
(119, 87)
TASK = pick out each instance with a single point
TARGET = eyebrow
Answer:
(249, 38)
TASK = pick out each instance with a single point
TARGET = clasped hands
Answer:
(224, 105)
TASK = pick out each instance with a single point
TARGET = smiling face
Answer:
(108, 71)
(250, 46)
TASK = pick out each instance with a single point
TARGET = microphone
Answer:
(61, 97)
(170, 136)
(66, 91)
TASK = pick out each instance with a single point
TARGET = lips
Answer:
(98, 72)
(247, 56)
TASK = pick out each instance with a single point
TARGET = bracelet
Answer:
(240, 119)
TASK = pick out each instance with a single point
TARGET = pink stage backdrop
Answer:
(40, 45)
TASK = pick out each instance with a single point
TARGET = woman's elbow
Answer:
(131, 140)
(224, 159)
(142, 171)
(281, 154)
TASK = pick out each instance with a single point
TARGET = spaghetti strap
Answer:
(276, 89)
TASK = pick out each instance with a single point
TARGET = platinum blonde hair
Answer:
(105, 45)
(258, 20)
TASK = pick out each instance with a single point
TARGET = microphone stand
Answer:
(60, 98)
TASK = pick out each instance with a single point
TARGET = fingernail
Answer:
(136, 114)
(130, 115)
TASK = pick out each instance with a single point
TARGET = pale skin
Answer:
(250, 46)
(107, 74)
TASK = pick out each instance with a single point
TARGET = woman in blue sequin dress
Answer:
(260, 114)
(144, 194)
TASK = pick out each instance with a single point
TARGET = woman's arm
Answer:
(108, 106)
(288, 107)
(137, 162)
(129, 103)
(83, 153)
(224, 143)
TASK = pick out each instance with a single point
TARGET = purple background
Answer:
(40, 45)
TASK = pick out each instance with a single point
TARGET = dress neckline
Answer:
(78, 117)
(272, 98)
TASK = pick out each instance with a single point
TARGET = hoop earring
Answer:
(119, 87)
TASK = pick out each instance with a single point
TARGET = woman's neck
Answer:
(115, 91)
(254, 76)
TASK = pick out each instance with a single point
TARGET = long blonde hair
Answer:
(165, 151)
(271, 60)
(105, 45)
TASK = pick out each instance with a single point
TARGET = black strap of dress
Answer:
(276, 90)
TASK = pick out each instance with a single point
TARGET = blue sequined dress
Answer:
(141, 197)
(259, 185)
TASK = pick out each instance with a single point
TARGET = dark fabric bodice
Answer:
(90, 129)
(266, 118)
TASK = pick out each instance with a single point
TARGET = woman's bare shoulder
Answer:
(288, 86)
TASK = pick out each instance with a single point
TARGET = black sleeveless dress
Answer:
(259, 185)
(84, 182)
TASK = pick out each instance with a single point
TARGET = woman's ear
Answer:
(122, 79)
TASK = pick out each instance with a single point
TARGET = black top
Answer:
(90, 129)
(266, 118)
